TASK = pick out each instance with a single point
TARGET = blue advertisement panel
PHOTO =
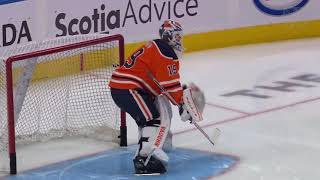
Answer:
(2, 2)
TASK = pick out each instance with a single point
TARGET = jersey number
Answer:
(132, 60)
(172, 69)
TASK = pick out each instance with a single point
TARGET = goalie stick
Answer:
(216, 132)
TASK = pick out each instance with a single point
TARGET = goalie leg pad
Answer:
(167, 146)
(155, 132)
(165, 110)
(147, 138)
(164, 107)
(151, 141)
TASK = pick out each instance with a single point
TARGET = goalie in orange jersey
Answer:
(135, 92)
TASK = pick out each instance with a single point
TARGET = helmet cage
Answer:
(172, 32)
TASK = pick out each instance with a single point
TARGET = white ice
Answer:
(275, 138)
(280, 144)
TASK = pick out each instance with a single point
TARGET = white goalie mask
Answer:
(171, 32)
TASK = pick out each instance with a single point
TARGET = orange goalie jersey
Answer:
(155, 57)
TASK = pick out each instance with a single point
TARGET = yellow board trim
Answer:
(245, 35)
(71, 64)
(192, 42)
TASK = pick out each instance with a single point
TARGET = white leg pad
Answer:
(154, 137)
(167, 146)
(165, 111)
(148, 133)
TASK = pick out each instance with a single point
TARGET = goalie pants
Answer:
(136, 102)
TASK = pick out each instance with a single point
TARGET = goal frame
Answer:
(10, 96)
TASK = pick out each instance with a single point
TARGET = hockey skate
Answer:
(154, 166)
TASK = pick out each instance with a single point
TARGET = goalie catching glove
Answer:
(193, 104)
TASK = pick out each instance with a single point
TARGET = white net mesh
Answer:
(61, 94)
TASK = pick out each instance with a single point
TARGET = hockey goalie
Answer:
(145, 86)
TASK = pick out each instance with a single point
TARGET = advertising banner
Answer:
(16, 23)
(137, 20)
(22, 21)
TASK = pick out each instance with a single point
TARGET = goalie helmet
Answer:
(171, 32)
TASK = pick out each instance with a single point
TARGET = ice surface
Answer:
(276, 137)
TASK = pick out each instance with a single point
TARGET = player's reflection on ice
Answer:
(117, 164)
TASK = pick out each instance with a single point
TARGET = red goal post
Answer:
(75, 93)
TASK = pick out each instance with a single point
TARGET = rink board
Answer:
(117, 164)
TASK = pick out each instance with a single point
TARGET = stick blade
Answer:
(216, 134)
(213, 135)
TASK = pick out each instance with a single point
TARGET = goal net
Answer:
(58, 89)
